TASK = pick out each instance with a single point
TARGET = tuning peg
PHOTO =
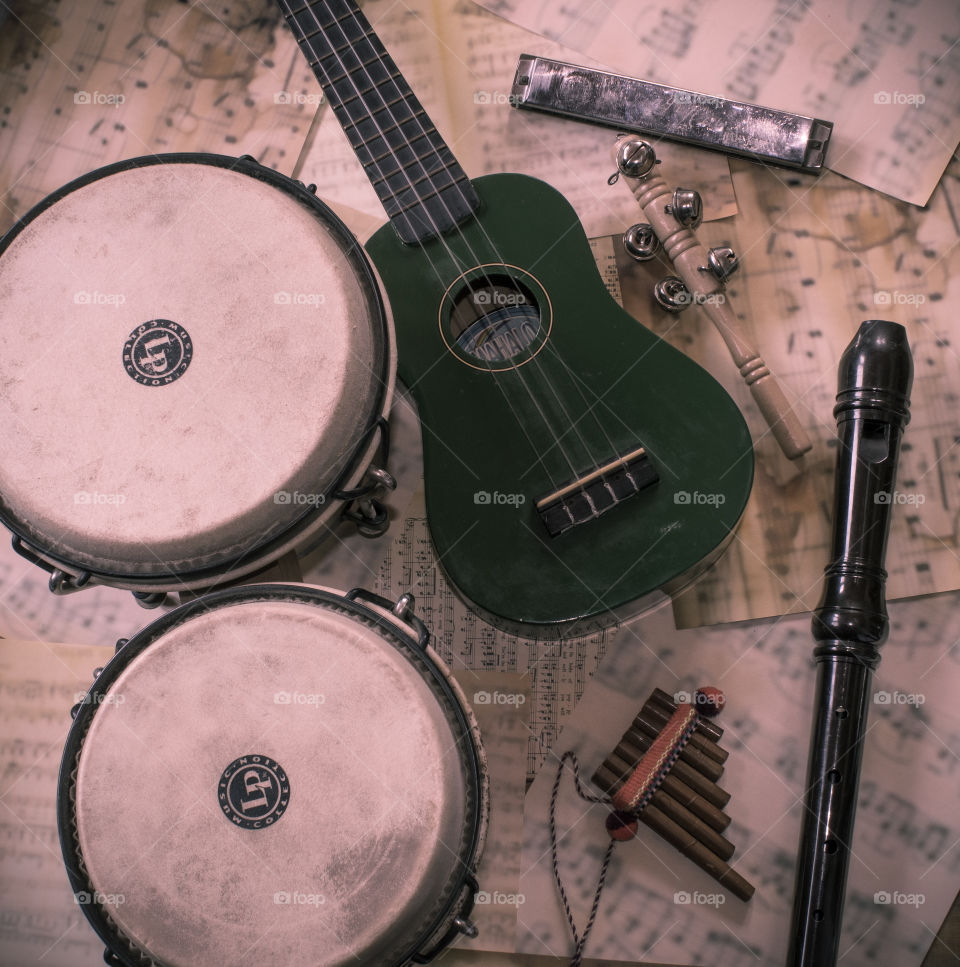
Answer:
(635, 158)
(722, 262)
(687, 207)
(672, 294)
(641, 242)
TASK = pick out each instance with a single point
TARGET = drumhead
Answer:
(272, 773)
(195, 352)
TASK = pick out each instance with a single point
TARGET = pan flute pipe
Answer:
(686, 805)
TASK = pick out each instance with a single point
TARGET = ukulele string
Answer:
(386, 107)
(400, 167)
(533, 359)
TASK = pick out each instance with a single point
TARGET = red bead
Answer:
(709, 701)
(622, 825)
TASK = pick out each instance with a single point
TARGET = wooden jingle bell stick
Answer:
(636, 163)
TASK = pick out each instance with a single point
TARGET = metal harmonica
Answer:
(628, 104)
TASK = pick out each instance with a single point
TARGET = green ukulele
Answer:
(575, 463)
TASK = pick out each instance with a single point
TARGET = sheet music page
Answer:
(557, 670)
(500, 701)
(885, 72)
(91, 83)
(818, 257)
(657, 905)
(40, 922)
(460, 61)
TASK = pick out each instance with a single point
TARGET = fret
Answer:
(427, 176)
(393, 127)
(415, 175)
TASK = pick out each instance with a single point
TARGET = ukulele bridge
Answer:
(596, 492)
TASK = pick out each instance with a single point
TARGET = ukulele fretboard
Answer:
(419, 182)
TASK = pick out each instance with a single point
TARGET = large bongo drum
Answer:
(196, 368)
(276, 773)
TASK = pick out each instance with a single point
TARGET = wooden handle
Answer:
(689, 258)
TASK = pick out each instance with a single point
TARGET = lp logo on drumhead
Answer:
(157, 353)
(254, 791)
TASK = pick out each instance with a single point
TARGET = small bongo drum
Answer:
(196, 370)
(275, 773)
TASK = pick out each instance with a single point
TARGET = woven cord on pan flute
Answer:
(626, 804)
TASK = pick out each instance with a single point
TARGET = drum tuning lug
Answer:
(149, 599)
(404, 605)
(672, 294)
(97, 672)
(312, 189)
(249, 157)
(635, 158)
(641, 242)
(63, 583)
(722, 262)
(75, 711)
(466, 927)
(687, 207)
(120, 643)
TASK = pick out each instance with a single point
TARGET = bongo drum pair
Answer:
(196, 374)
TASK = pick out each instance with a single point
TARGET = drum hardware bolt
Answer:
(466, 927)
(672, 294)
(312, 189)
(75, 710)
(63, 583)
(687, 207)
(635, 158)
(382, 478)
(249, 157)
(404, 605)
(722, 262)
(641, 242)
(97, 672)
(150, 599)
(369, 515)
(120, 643)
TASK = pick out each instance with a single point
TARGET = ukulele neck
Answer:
(422, 187)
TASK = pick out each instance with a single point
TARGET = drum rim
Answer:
(111, 935)
(260, 552)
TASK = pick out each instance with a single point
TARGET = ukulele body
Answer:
(590, 386)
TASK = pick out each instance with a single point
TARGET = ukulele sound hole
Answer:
(494, 319)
